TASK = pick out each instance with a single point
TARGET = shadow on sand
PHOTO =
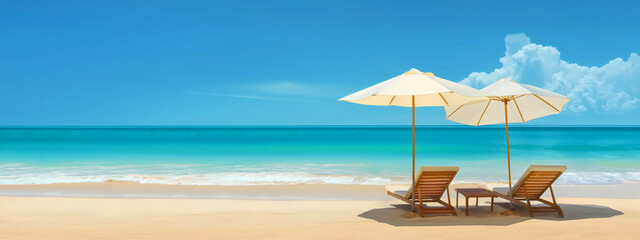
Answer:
(482, 216)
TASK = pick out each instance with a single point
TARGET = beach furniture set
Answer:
(504, 101)
(433, 181)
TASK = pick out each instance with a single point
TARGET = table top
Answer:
(476, 192)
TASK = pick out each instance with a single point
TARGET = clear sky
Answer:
(287, 62)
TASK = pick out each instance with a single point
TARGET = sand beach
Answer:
(76, 211)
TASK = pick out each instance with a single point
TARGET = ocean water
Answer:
(309, 155)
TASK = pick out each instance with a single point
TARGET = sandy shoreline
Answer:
(100, 218)
(138, 190)
(627, 190)
(369, 214)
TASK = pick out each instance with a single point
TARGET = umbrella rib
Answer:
(445, 101)
(514, 101)
(394, 97)
(547, 103)
(454, 111)
(485, 109)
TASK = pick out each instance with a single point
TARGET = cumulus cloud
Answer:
(613, 87)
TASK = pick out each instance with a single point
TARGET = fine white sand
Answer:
(377, 218)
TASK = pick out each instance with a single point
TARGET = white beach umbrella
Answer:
(424, 88)
(416, 89)
(508, 102)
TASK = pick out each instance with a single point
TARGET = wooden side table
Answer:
(474, 192)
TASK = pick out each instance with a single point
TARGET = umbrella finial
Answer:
(416, 71)
(413, 71)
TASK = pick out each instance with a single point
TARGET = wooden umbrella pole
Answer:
(506, 124)
(413, 164)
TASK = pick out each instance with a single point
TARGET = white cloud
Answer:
(612, 87)
(287, 88)
(234, 96)
(249, 96)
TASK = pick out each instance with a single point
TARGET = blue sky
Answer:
(287, 62)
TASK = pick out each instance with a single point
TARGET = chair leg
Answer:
(555, 205)
(560, 211)
(449, 200)
(420, 200)
(420, 210)
(492, 204)
(529, 208)
(526, 195)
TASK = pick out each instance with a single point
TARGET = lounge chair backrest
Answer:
(432, 181)
(536, 180)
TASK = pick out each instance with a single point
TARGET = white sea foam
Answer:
(233, 178)
(597, 178)
(255, 175)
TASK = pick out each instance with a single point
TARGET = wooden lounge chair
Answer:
(530, 187)
(431, 183)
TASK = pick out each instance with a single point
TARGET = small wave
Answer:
(273, 174)
(227, 179)
(597, 178)
(568, 178)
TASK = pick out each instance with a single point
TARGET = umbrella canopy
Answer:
(524, 102)
(508, 102)
(415, 89)
(427, 89)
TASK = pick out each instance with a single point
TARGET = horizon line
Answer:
(312, 125)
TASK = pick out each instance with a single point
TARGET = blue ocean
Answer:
(258, 155)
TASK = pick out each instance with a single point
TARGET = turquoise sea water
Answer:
(294, 155)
